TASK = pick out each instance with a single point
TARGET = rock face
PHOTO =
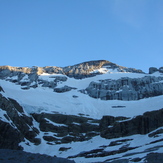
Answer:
(154, 158)
(9, 136)
(126, 88)
(142, 124)
(63, 89)
(154, 69)
(15, 125)
(67, 128)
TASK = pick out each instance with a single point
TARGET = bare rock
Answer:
(152, 70)
(141, 124)
(63, 89)
(18, 120)
(126, 89)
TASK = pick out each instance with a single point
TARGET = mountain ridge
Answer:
(78, 71)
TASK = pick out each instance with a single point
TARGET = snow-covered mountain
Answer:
(95, 111)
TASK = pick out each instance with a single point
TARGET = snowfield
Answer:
(44, 99)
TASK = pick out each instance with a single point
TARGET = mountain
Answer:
(95, 111)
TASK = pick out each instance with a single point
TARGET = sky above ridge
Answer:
(66, 32)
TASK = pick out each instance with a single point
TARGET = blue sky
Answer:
(66, 32)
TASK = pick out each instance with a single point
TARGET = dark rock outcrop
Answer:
(10, 137)
(154, 158)
(101, 153)
(17, 125)
(142, 124)
(154, 69)
(15, 156)
(63, 89)
(1, 89)
(161, 69)
(126, 88)
(68, 127)
(156, 133)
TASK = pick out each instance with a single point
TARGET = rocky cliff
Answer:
(142, 124)
(126, 88)
(15, 125)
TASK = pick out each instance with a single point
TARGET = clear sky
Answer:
(66, 32)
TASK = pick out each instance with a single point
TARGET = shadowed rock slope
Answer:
(15, 156)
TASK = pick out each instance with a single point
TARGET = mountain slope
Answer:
(111, 112)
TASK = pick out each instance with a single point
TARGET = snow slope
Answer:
(142, 142)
